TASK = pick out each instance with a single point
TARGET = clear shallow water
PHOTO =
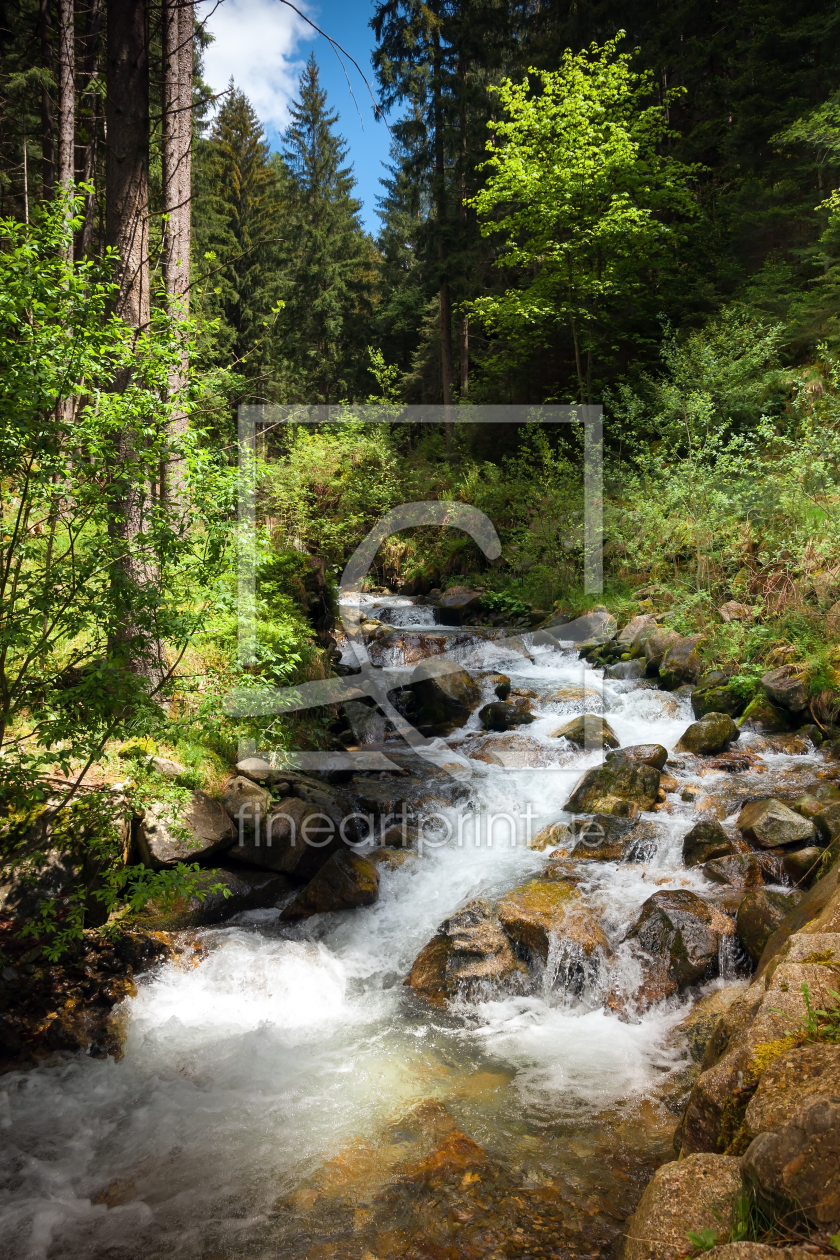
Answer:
(280, 1088)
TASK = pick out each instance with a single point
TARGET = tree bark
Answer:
(66, 106)
(47, 139)
(127, 161)
(178, 26)
(127, 233)
(86, 167)
(444, 298)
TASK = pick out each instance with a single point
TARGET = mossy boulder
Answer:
(705, 841)
(785, 687)
(759, 914)
(656, 646)
(766, 718)
(587, 731)
(681, 663)
(345, 882)
(712, 734)
(714, 693)
(617, 787)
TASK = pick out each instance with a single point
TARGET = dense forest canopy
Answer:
(629, 205)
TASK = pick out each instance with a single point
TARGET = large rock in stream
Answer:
(469, 953)
(770, 823)
(541, 912)
(798, 1167)
(445, 697)
(760, 914)
(785, 687)
(705, 841)
(502, 715)
(587, 731)
(680, 935)
(681, 663)
(296, 840)
(345, 882)
(618, 786)
(712, 734)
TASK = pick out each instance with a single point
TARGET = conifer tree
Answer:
(238, 235)
(330, 273)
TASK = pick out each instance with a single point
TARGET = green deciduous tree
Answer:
(588, 207)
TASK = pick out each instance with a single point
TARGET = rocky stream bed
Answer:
(479, 1031)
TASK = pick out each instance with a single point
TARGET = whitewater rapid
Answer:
(255, 1058)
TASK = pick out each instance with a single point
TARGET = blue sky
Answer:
(264, 46)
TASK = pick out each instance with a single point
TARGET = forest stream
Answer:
(283, 1093)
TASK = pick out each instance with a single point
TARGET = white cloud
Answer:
(256, 42)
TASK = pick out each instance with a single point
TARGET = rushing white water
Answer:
(247, 1069)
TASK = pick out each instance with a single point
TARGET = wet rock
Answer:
(763, 716)
(681, 663)
(50, 874)
(705, 841)
(640, 754)
(618, 787)
(587, 731)
(595, 626)
(656, 645)
(739, 870)
(699, 1025)
(800, 1163)
(715, 694)
(247, 803)
(552, 836)
(469, 952)
(790, 1081)
(500, 715)
(798, 865)
(195, 832)
(624, 670)
(827, 822)
(588, 697)
(607, 838)
(444, 699)
(770, 823)
(388, 857)
(785, 687)
(633, 636)
(220, 894)
(683, 933)
(694, 1194)
(297, 840)
(501, 685)
(455, 604)
(759, 914)
(345, 881)
(535, 914)
(712, 734)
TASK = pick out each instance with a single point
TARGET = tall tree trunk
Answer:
(127, 233)
(444, 298)
(66, 104)
(47, 139)
(464, 340)
(86, 166)
(176, 178)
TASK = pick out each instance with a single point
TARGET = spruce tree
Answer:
(239, 230)
(330, 274)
